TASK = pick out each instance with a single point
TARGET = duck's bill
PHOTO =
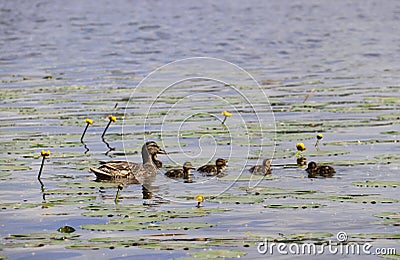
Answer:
(162, 152)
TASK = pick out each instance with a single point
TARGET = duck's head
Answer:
(153, 148)
(188, 166)
(220, 162)
(311, 166)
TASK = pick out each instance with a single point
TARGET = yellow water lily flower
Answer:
(112, 118)
(319, 136)
(89, 121)
(226, 113)
(199, 199)
(300, 147)
(45, 153)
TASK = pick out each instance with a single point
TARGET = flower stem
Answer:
(223, 121)
(105, 130)
(84, 131)
(41, 168)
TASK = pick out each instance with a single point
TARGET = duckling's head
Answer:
(312, 165)
(220, 162)
(267, 163)
(188, 166)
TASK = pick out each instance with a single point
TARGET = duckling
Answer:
(214, 169)
(263, 169)
(123, 169)
(181, 173)
(315, 171)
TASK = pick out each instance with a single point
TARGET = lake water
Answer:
(166, 70)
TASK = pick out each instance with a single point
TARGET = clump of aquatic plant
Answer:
(319, 138)
(44, 154)
(112, 119)
(226, 114)
(199, 199)
(88, 122)
(66, 229)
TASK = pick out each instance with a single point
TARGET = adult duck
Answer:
(115, 170)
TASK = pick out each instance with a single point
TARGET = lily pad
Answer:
(111, 210)
(218, 253)
(363, 198)
(69, 192)
(294, 205)
(388, 218)
(261, 190)
(309, 236)
(173, 245)
(395, 256)
(377, 184)
(18, 205)
(88, 185)
(109, 242)
(236, 199)
(42, 236)
(388, 215)
(249, 177)
(160, 226)
(375, 236)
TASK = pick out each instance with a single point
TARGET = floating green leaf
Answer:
(388, 215)
(294, 205)
(160, 226)
(42, 236)
(18, 205)
(218, 253)
(69, 192)
(88, 185)
(236, 199)
(377, 184)
(375, 236)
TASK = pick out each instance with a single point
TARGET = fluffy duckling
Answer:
(181, 173)
(219, 166)
(315, 171)
(263, 169)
